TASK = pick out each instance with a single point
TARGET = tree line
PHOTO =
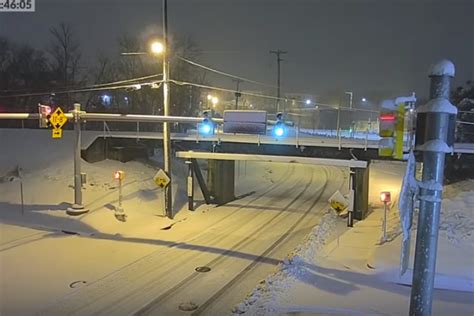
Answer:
(25, 71)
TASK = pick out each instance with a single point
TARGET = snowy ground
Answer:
(357, 275)
(94, 264)
(58, 264)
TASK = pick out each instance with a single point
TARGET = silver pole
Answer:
(384, 221)
(77, 208)
(434, 148)
(166, 127)
(120, 194)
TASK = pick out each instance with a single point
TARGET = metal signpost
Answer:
(77, 208)
(437, 119)
(386, 198)
(119, 211)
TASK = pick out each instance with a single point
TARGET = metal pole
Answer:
(384, 221)
(278, 53)
(237, 93)
(21, 197)
(166, 103)
(278, 82)
(120, 195)
(119, 211)
(350, 99)
(338, 120)
(434, 147)
(350, 213)
(77, 208)
(190, 186)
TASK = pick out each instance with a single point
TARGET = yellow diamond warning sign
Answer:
(161, 179)
(57, 119)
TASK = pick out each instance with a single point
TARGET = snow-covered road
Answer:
(248, 240)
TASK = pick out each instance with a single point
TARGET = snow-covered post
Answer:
(434, 144)
(77, 208)
(190, 186)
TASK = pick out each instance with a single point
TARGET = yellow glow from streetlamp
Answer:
(209, 97)
(215, 100)
(157, 48)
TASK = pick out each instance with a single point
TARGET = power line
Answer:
(132, 86)
(184, 83)
(80, 89)
(224, 73)
(125, 81)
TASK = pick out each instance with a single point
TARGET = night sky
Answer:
(374, 48)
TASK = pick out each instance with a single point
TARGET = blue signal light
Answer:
(279, 131)
(206, 128)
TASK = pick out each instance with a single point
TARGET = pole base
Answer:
(76, 210)
(120, 214)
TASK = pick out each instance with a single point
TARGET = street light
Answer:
(157, 48)
(308, 101)
(364, 100)
(214, 101)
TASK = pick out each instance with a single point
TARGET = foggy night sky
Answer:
(370, 47)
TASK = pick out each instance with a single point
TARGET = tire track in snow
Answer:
(116, 280)
(150, 307)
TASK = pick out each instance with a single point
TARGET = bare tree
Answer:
(66, 55)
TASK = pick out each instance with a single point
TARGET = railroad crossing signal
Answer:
(161, 179)
(58, 118)
(44, 112)
(391, 129)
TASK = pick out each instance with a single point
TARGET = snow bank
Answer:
(264, 298)
(47, 168)
(455, 258)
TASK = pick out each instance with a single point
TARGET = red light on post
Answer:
(119, 175)
(385, 197)
(387, 117)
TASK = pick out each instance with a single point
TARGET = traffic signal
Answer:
(44, 112)
(279, 129)
(206, 127)
(387, 121)
(392, 126)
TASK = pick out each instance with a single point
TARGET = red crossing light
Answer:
(387, 117)
(385, 197)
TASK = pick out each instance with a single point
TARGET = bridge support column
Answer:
(361, 192)
(220, 180)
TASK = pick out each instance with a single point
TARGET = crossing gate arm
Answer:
(271, 158)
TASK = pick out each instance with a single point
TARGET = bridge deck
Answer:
(297, 141)
(270, 158)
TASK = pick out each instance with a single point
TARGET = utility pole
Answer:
(237, 93)
(166, 105)
(436, 121)
(278, 53)
(350, 100)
